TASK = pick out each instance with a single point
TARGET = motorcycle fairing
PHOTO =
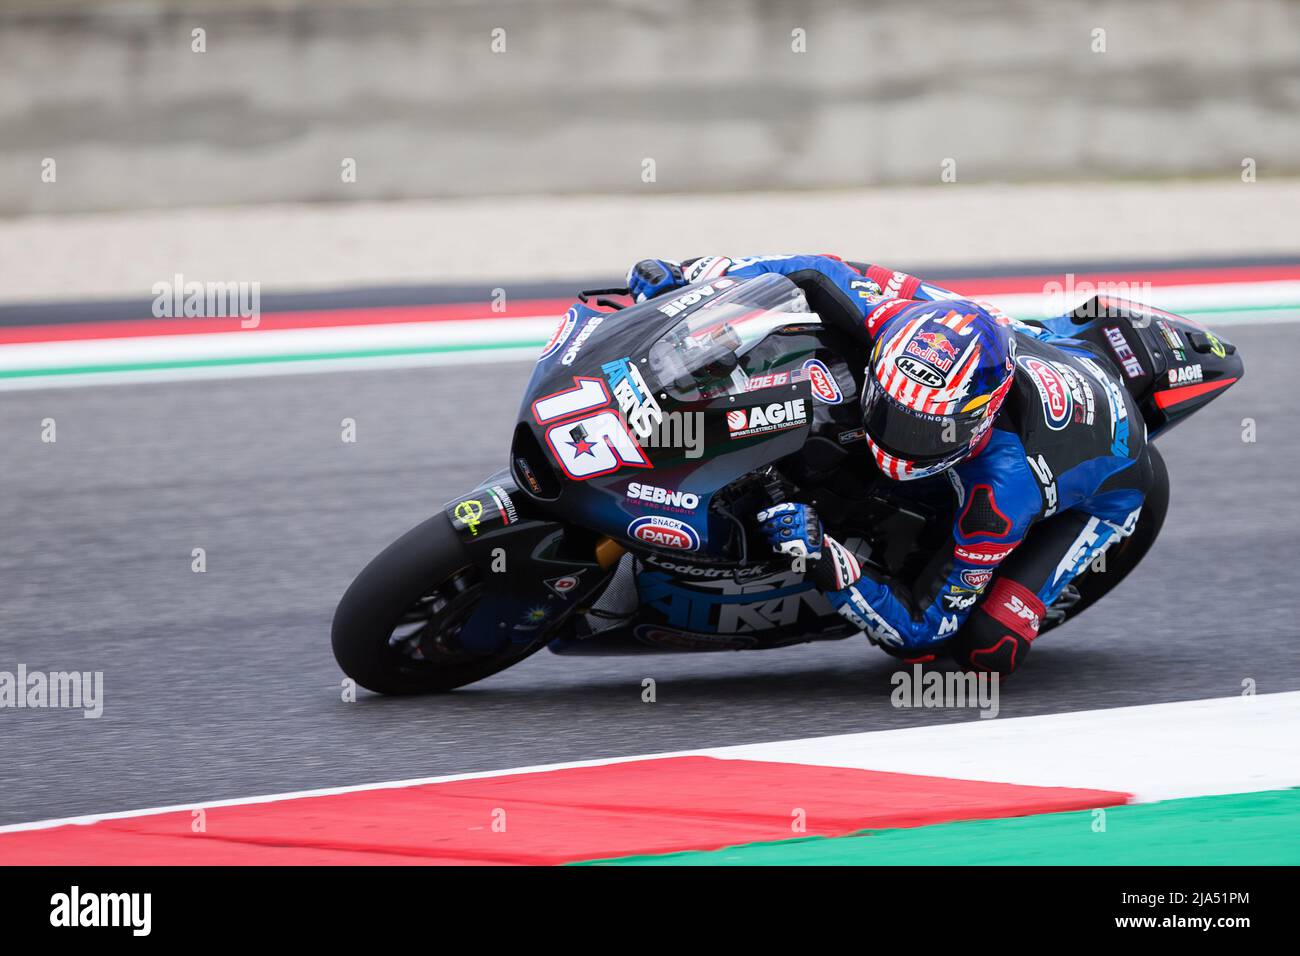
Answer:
(1171, 364)
(706, 360)
(776, 608)
(535, 571)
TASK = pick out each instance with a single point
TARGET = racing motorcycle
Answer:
(647, 437)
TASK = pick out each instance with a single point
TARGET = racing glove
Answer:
(652, 277)
(835, 570)
(796, 529)
(792, 529)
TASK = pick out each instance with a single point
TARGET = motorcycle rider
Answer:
(1027, 425)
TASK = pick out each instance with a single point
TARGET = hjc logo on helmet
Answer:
(918, 371)
(935, 348)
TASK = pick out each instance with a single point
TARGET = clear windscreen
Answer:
(700, 357)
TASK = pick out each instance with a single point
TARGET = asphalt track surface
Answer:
(222, 684)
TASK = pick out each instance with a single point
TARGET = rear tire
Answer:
(1124, 556)
(423, 582)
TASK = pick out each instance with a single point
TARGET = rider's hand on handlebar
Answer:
(652, 277)
(792, 529)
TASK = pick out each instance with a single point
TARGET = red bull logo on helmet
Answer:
(935, 348)
(939, 342)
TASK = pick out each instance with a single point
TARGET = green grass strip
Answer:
(1248, 828)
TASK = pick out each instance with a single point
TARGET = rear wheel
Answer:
(396, 629)
(1089, 587)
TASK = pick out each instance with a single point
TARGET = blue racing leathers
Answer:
(1066, 440)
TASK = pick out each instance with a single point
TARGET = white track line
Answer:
(1154, 751)
(274, 343)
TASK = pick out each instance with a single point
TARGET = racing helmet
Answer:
(938, 375)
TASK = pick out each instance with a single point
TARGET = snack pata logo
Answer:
(824, 387)
(1052, 390)
(664, 533)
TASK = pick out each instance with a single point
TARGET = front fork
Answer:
(536, 572)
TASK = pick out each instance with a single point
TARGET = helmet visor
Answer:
(914, 436)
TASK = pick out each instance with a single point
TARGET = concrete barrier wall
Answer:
(579, 94)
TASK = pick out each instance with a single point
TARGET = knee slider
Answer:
(998, 635)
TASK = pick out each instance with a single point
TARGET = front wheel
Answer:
(395, 630)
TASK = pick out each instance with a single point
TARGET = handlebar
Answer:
(585, 294)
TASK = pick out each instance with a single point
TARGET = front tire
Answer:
(395, 628)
